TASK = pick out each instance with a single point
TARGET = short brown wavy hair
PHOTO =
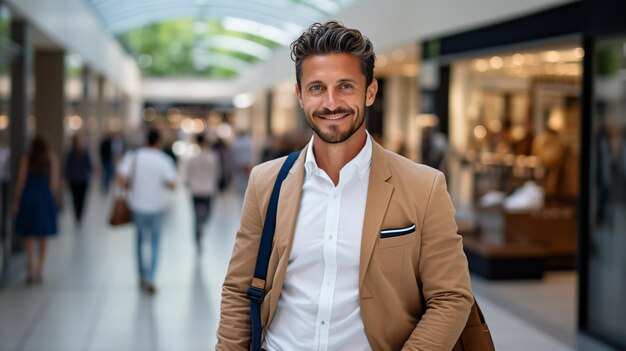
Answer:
(333, 37)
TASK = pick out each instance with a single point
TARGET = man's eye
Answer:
(346, 86)
(316, 88)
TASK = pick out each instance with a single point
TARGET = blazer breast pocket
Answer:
(396, 236)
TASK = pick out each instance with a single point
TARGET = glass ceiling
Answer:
(208, 38)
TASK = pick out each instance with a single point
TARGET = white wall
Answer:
(71, 25)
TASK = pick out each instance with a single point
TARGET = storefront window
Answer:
(607, 249)
(515, 150)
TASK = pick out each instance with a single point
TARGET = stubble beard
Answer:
(334, 136)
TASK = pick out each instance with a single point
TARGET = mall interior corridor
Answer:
(90, 298)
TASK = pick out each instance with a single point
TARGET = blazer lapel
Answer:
(378, 196)
(288, 206)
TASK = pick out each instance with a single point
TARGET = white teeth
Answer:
(333, 117)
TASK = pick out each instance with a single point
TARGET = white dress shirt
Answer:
(149, 170)
(318, 308)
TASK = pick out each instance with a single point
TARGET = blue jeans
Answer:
(108, 170)
(148, 224)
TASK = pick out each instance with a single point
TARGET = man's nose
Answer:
(331, 99)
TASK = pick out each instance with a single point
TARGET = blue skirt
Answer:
(37, 212)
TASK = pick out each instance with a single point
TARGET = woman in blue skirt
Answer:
(34, 204)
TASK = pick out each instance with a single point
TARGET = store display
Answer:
(492, 198)
(528, 197)
(517, 136)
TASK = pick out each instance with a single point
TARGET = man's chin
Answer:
(334, 138)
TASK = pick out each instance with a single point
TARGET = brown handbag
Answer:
(475, 335)
(121, 213)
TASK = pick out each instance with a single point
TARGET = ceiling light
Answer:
(244, 100)
(198, 125)
(187, 125)
(245, 46)
(224, 131)
(481, 65)
(179, 148)
(579, 53)
(259, 29)
(518, 59)
(496, 62)
(74, 122)
(551, 56)
(480, 132)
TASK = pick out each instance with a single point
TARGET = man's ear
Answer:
(370, 94)
(299, 94)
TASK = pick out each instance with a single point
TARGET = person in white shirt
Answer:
(203, 172)
(365, 253)
(148, 173)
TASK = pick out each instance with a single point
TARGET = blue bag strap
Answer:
(256, 292)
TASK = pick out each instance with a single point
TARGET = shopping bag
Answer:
(120, 213)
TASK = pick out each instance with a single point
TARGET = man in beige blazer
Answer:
(366, 254)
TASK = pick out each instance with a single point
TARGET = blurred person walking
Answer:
(34, 204)
(242, 160)
(147, 173)
(78, 172)
(111, 151)
(106, 160)
(226, 164)
(203, 174)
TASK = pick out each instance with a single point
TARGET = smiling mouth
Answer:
(333, 117)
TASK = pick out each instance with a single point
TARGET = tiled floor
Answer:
(90, 298)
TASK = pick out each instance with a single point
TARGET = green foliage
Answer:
(73, 72)
(608, 57)
(4, 27)
(5, 37)
(167, 48)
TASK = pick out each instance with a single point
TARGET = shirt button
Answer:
(330, 237)
(322, 323)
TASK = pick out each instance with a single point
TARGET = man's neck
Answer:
(332, 157)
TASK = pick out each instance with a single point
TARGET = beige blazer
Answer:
(414, 289)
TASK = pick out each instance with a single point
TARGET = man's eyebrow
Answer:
(346, 80)
(314, 82)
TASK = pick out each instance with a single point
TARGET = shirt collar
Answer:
(361, 161)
